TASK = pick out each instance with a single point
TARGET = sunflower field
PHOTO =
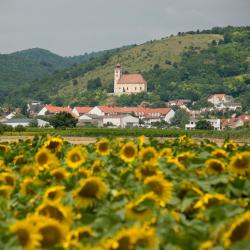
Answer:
(124, 194)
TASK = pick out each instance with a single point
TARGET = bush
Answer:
(20, 128)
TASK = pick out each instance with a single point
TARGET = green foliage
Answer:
(203, 125)
(180, 119)
(63, 120)
(20, 128)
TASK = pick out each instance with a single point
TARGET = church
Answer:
(128, 83)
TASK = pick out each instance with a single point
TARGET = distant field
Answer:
(82, 134)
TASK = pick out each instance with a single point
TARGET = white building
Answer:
(121, 121)
(215, 123)
(16, 122)
(128, 83)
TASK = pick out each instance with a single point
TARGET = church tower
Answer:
(117, 76)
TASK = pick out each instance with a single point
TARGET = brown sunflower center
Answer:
(52, 195)
(52, 212)
(51, 236)
(53, 145)
(156, 187)
(75, 157)
(89, 190)
(216, 166)
(148, 155)
(103, 147)
(23, 236)
(240, 231)
(241, 163)
(129, 151)
(84, 234)
(42, 158)
(124, 243)
(148, 170)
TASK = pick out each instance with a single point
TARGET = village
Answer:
(129, 117)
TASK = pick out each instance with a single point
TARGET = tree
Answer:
(180, 119)
(204, 125)
(63, 120)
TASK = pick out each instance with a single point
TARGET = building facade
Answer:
(128, 83)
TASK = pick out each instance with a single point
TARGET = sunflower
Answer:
(230, 145)
(140, 209)
(148, 168)
(102, 147)
(174, 161)
(124, 239)
(27, 235)
(55, 193)
(128, 152)
(52, 231)
(6, 191)
(184, 157)
(4, 148)
(214, 166)
(206, 245)
(219, 153)
(8, 179)
(146, 239)
(75, 157)
(239, 230)
(148, 153)
(75, 237)
(165, 152)
(29, 170)
(91, 190)
(141, 140)
(83, 172)
(240, 163)
(28, 186)
(19, 160)
(161, 187)
(56, 211)
(97, 166)
(54, 144)
(59, 174)
(45, 159)
(209, 200)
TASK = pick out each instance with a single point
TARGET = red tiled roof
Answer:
(83, 110)
(136, 110)
(132, 79)
(219, 96)
(55, 109)
(244, 118)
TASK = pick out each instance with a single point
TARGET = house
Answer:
(128, 83)
(52, 110)
(122, 121)
(79, 111)
(34, 107)
(16, 122)
(215, 123)
(242, 120)
(165, 114)
(88, 119)
(217, 99)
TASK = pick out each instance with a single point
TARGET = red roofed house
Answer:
(218, 99)
(154, 114)
(128, 83)
(51, 110)
(79, 111)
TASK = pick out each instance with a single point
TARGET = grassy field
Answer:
(140, 58)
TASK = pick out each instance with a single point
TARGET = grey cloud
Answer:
(71, 27)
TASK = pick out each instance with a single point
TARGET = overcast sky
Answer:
(73, 27)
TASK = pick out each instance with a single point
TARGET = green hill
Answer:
(190, 65)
